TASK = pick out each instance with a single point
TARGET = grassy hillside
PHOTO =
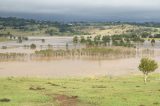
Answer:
(94, 91)
(80, 30)
(24, 27)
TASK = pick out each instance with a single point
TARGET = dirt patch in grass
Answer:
(5, 100)
(65, 100)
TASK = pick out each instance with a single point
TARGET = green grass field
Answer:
(96, 91)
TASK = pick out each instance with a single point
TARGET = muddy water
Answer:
(71, 68)
(65, 68)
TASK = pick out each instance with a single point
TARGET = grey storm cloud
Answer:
(89, 8)
(63, 6)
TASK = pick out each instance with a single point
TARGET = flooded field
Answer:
(18, 60)
(55, 43)
(72, 68)
(40, 42)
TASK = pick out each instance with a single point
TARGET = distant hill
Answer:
(31, 27)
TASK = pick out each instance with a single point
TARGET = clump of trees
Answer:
(51, 32)
(125, 40)
(21, 39)
(147, 66)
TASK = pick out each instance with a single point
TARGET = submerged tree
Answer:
(67, 46)
(75, 41)
(33, 46)
(43, 40)
(147, 66)
(153, 42)
(19, 39)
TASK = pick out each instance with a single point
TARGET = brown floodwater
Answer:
(71, 68)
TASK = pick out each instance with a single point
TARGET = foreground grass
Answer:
(101, 91)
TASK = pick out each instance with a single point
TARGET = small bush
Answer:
(4, 47)
(33, 46)
(5, 100)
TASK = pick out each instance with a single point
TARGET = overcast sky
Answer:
(84, 9)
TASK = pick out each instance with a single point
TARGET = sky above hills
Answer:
(83, 10)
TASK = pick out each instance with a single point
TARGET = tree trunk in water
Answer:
(145, 78)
